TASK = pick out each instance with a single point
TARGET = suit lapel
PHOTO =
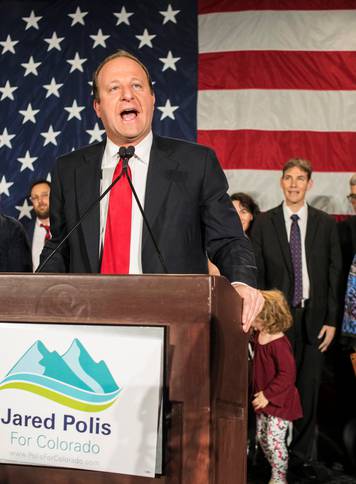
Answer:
(280, 227)
(88, 190)
(312, 227)
(159, 178)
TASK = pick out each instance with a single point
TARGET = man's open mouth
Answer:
(129, 114)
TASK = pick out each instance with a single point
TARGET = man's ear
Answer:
(310, 184)
(96, 106)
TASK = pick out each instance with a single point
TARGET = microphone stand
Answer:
(125, 165)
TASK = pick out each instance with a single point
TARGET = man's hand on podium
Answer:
(252, 304)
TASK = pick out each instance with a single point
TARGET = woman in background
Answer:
(247, 209)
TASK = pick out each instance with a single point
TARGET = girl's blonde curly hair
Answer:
(275, 315)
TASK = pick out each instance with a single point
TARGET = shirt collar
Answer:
(302, 212)
(38, 222)
(142, 151)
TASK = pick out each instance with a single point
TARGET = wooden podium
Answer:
(205, 365)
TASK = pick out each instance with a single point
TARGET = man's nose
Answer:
(127, 93)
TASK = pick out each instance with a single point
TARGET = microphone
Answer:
(126, 154)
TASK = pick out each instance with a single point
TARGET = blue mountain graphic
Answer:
(96, 375)
(76, 367)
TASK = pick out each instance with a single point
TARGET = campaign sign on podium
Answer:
(81, 396)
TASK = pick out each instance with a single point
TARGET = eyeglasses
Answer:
(352, 196)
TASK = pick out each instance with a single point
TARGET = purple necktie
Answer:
(295, 244)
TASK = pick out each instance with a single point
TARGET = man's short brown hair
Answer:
(304, 165)
(115, 55)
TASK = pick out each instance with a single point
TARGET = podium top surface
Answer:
(93, 298)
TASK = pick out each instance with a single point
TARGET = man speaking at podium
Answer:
(180, 185)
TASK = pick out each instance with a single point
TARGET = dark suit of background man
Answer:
(184, 194)
(316, 314)
(15, 252)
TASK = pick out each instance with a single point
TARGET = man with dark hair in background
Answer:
(39, 196)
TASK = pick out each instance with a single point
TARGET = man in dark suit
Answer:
(315, 310)
(180, 184)
(15, 252)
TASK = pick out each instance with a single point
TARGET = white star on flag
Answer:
(145, 39)
(74, 111)
(99, 39)
(8, 45)
(4, 186)
(169, 62)
(7, 91)
(54, 42)
(78, 17)
(76, 63)
(24, 209)
(50, 136)
(27, 161)
(169, 15)
(29, 114)
(123, 16)
(31, 66)
(32, 21)
(52, 88)
(95, 134)
(5, 139)
(167, 110)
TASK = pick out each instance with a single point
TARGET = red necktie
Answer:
(116, 252)
(48, 232)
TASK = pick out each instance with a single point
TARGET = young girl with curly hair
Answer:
(275, 397)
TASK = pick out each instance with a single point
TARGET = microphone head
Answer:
(126, 153)
(130, 151)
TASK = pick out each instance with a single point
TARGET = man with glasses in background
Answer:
(39, 196)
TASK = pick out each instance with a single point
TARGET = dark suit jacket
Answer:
(15, 252)
(347, 233)
(29, 226)
(323, 257)
(186, 205)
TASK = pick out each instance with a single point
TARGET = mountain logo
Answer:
(74, 379)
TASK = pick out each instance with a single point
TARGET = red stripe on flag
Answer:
(213, 6)
(269, 150)
(277, 70)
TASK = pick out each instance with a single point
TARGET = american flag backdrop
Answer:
(259, 81)
(49, 50)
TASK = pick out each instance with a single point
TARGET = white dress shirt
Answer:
(302, 222)
(39, 237)
(139, 167)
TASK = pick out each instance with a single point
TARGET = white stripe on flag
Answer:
(278, 30)
(277, 110)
